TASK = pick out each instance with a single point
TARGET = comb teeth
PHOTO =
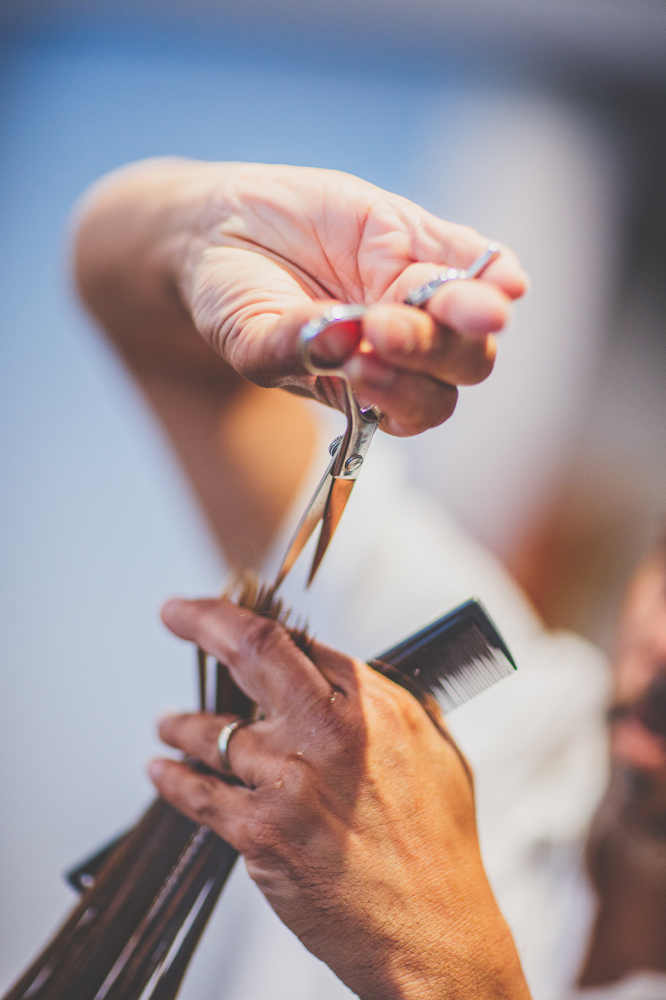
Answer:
(453, 659)
(478, 667)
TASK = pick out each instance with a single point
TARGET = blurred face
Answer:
(638, 718)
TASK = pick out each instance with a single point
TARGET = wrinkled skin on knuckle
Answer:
(335, 732)
(278, 852)
(265, 830)
(201, 802)
(291, 861)
(262, 640)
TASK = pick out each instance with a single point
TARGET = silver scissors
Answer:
(348, 451)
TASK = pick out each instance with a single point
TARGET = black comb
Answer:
(450, 660)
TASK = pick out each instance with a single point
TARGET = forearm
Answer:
(138, 231)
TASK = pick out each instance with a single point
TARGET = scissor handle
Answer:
(337, 315)
(361, 423)
(420, 296)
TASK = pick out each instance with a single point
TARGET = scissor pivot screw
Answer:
(354, 462)
(335, 444)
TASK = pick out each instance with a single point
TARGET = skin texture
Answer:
(397, 909)
(202, 275)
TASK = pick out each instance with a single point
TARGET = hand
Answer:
(355, 817)
(257, 250)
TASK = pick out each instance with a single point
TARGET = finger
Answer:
(270, 353)
(250, 308)
(470, 307)
(507, 274)
(441, 244)
(197, 735)
(340, 670)
(226, 809)
(409, 339)
(480, 306)
(261, 655)
(411, 403)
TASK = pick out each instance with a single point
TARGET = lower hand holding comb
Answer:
(355, 817)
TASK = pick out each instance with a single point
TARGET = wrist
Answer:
(136, 225)
(438, 944)
(136, 231)
(482, 969)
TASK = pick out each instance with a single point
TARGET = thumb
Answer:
(251, 309)
(268, 351)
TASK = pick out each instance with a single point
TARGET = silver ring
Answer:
(223, 741)
(311, 330)
(419, 296)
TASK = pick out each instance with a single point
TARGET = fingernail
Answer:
(156, 769)
(370, 371)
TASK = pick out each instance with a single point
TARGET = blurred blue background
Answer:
(541, 124)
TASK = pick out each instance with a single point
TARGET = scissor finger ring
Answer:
(223, 741)
(419, 296)
(310, 331)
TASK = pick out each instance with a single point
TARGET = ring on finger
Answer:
(223, 741)
(420, 296)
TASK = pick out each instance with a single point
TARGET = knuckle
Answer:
(201, 802)
(263, 834)
(208, 317)
(297, 778)
(262, 637)
(340, 745)
(266, 829)
(396, 707)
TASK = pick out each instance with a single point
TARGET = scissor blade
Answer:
(337, 501)
(314, 513)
